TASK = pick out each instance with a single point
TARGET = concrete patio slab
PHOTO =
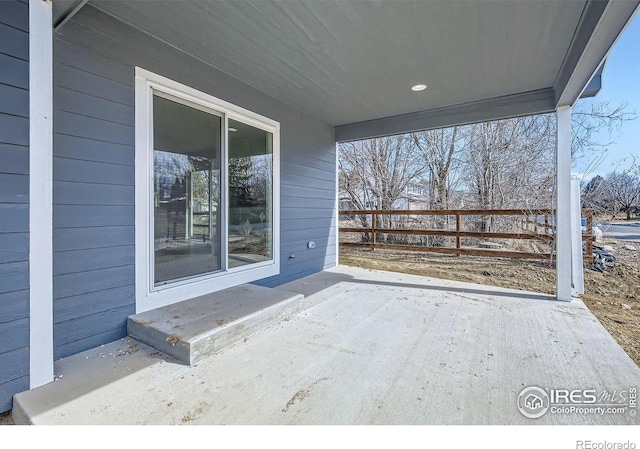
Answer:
(369, 348)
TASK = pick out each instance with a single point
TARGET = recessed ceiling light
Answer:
(419, 87)
(232, 130)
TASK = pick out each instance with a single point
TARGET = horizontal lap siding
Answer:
(14, 200)
(94, 197)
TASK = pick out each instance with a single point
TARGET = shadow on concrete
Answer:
(489, 291)
(315, 283)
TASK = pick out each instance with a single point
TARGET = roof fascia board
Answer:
(527, 103)
(601, 25)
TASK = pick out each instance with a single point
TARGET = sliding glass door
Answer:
(250, 194)
(207, 194)
(186, 164)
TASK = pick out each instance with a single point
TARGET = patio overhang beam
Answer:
(527, 103)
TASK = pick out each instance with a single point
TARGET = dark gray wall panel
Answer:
(76, 79)
(75, 170)
(91, 281)
(82, 216)
(299, 248)
(304, 235)
(14, 306)
(291, 181)
(14, 42)
(81, 126)
(303, 170)
(84, 327)
(15, 217)
(87, 104)
(15, 101)
(94, 154)
(291, 223)
(14, 188)
(67, 262)
(306, 203)
(14, 14)
(82, 344)
(14, 200)
(69, 239)
(307, 192)
(14, 71)
(15, 363)
(92, 194)
(14, 335)
(310, 214)
(8, 389)
(72, 147)
(300, 268)
(14, 247)
(14, 276)
(13, 129)
(93, 65)
(320, 160)
(70, 307)
(15, 158)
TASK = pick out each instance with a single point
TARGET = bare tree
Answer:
(596, 195)
(589, 119)
(509, 163)
(438, 148)
(375, 173)
(624, 188)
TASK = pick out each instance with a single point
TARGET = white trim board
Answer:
(40, 193)
(563, 204)
(147, 296)
(577, 270)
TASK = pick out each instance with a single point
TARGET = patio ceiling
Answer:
(352, 63)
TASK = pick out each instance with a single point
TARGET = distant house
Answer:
(415, 197)
(153, 152)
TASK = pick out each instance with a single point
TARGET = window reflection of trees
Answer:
(250, 186)
(250, 180)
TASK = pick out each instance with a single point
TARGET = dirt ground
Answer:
(5, 418)
(612, 296)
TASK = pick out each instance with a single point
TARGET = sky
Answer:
(620, 83)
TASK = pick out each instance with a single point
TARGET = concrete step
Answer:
(190, 330)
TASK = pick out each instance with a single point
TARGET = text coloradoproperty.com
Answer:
(560, 409)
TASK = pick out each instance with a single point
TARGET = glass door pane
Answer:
(250, 195)
(186, 165)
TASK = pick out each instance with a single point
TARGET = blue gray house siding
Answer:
(94, 60)
(14, 200)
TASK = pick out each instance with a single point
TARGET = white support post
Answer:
(576, 239)
(563, 204)
(40, 193)
(336, 209)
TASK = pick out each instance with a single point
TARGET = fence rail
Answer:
(533, 218)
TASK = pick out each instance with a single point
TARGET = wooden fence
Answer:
(533, 221)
